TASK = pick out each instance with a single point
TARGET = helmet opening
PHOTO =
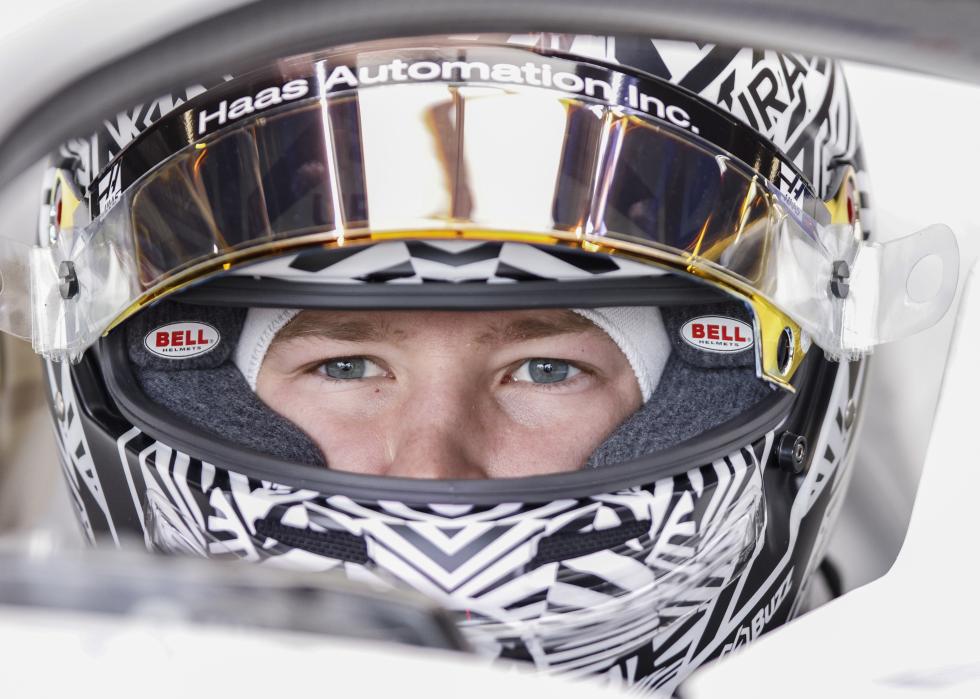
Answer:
(703, 404)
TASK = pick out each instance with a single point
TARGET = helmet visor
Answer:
(469, 149)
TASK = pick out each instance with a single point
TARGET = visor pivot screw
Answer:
(69, 280)
(840, 273)
(791, 452)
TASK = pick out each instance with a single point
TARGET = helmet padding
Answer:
(207, 390)
(696, 391)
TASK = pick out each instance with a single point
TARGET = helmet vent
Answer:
(564, 546)
(342, 546)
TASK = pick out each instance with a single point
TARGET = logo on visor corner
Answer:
(717, 334)
(182, 340)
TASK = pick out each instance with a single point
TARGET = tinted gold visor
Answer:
(479, 161)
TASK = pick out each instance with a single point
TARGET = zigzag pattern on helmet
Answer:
(831, 467)
(455, 261)
(81, 475)
(798, 102)
(682, 605)
(191, 506)
(682, 583)
(481, 558)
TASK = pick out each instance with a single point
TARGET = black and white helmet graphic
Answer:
(542, 326)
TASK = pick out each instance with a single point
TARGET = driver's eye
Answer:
(351, 368)
(544, 371)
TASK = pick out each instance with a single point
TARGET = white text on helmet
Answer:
(243, 106)
(342, 77)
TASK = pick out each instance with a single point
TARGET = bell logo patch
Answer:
(717, 334)
(182, 340)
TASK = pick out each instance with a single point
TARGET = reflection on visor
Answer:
(539, 176)
(480, 161)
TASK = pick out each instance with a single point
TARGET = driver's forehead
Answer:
(480, 327)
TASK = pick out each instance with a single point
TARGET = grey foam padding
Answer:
(674, 319)
(698, 390)
(220, 401)
(227, 321)
(687, 401)
(208, 390)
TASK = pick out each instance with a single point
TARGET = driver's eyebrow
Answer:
(535, 327)
(326, 325)
(331, 326)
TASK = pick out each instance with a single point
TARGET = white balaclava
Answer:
(637, 330)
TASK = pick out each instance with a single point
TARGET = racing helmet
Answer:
(705, 207)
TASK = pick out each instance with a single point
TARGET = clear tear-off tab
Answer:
(915, 279)
(15, 289)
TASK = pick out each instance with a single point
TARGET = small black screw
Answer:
(840, 273)
(69, 280)
(791, 452)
